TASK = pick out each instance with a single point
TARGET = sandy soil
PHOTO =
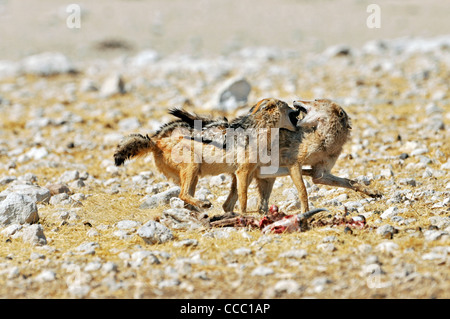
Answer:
(208, 27)
(53, 125)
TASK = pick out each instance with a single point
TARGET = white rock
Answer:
(186, 243)
(234, 94)
(252, 203)
(144, 58)
(139, 256)
(440, 221)
(319, 283)
(37, 153)
(38, 194)
(87, 85)
(112, 85)
(288, 286)
(408, 181)
(217, 180)
(129, 124)
(153, 232)
(78, 284)
(46, 276)
(387, 246)
(432, 235)
(64, 199)
(87, 248)
(337, 51)
(243, 251)
(295, 253)
(327, 247)
(176, 202)
(13, 272)
(433, 256)
(9, 69)
(112, 138)
(18, 209)
(390, 212)
(78, 183)
(93, 266)
(365, 248)
(127, 224)
(33, 234)
(419, 151)
(385, 230)
(387, 173)
(122, 234)
(180, 218)
(47, 63)
(11, 230)
(69, 176)
(7, 179)
(109, 267)
(262, 271)
(167, 283)
(160, 199)
(217, 234)
(290, 193)
(446, 166)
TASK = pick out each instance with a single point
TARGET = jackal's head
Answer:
(322, 112)
(274, 113)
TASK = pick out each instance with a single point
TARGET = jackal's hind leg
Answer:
(231, 200)
(297, 178)
(244, 177)
(265, 187)
(188, 181)
(329, 179)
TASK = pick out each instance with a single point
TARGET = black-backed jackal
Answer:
(317, 142)
(183, 158)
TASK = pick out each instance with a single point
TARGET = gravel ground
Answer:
(72, 225)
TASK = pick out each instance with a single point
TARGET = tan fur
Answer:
(318, 142)
(184, 160)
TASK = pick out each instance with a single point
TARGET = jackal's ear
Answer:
(349, 124)
(265, 104)
(344, 119)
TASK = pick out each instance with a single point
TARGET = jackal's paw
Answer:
(227, 207)
(191, 207)
(374, 194)
(205, 204)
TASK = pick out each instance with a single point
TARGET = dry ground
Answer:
(212, 269)
(391, 98)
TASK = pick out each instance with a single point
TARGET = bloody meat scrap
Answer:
(274, 222)
(277, 222)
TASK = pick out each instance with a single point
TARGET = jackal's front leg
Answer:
(188, 181)
(244, 176)
(229, 203)
(297, 178)
(265, 187)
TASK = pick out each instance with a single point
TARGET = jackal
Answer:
(317, 142)
(183, 158)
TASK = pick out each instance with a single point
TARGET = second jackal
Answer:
(184, 159)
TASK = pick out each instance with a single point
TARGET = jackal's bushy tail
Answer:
(185, 116)
(132, 146)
